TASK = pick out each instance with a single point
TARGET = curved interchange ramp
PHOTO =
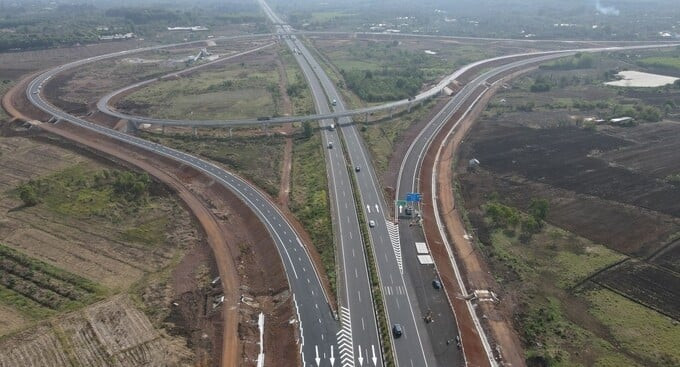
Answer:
(317, 323)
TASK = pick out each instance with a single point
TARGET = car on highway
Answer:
(371, 223)
(357, 168)
(396, 330)
(436, 284)
(335, 102)
(330, 145)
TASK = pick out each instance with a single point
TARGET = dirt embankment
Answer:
(240, 245)
(475, 274)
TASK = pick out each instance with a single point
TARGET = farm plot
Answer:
(669, 258)
(654, 287)
(40, 285)
(109, 333)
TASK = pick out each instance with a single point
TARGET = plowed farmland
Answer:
(110, 333)
(612, 192)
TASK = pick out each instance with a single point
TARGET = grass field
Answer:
(666, 62)
(646, 333)
(298, 91)
(382, 136)
(228, 94)
(540, 272)
(309, 198)
(564, 316)
(258, 158)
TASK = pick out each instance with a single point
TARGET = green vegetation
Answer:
(256, 157)
(664, 62)
(31, 26)
(578, 61)
(556, 321)
(309, 199)
(650, 335)
(5, 85)
(382, 136)
(388, 73)
(80, 193)
(238, 92)
(549, 19)
(38, 289)
(508, 218)
(297, 88)
(673, 179)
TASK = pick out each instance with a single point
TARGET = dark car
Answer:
(357, 168)
(396, 330)
(436, 284)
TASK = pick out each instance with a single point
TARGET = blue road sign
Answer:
(413, 197)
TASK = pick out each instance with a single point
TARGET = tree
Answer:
(307, 129)
(29, 195)
(539, 209)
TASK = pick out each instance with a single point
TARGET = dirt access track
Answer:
(228, 225)
(438, 160)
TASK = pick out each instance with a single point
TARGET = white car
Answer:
(371, 223)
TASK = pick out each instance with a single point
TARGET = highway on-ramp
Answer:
(317, 324)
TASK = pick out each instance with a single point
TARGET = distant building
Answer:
(623, 121)
(117, 36)
(197, 28)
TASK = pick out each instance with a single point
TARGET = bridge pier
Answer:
(194, 131)
(366, 117)
(230, 132)
(409, 107)
(162, 129)
(391, 112)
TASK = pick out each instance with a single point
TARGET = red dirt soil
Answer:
(264, 273)
(475, 271)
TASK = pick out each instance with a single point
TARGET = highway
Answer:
(317, 324)
(358, 339)
(104, 104)
(410, 349)
(407, 183)
(415, 347)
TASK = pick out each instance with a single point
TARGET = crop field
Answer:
(32, 285)
(669, 258)
(650, 285)
(109, 333)
(612, 207)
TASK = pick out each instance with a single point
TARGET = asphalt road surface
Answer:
(318, 327)
(358, 339)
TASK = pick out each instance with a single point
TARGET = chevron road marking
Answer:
(345, 344)
(393, 230)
